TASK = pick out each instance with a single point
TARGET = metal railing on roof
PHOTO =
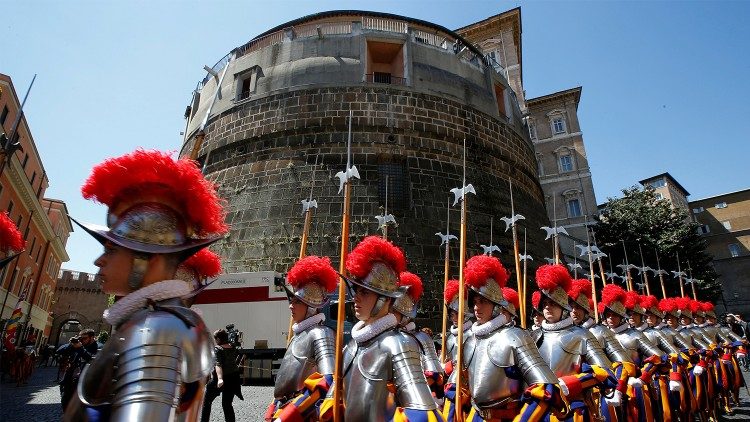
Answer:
(327, 28)
(382, 24)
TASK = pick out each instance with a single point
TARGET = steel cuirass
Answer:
(726, 334)
(154, 367)
(712, 333)
(565, 349)
(489, 356)
(390, 357)
(430, 360)
(679, 340)
(612, 348)
(702, 334)
(310, 351)
(637, 345)
(693, 339)
(661, 339)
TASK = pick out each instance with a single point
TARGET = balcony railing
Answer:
(331, 28)
(380, 24)
(384, 78)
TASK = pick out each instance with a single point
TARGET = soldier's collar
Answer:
(489, 326)
(163, 290)
(362, 333)
(588, 323)
(622, 327)
(559, 325)
(308, 323)
(454, 329)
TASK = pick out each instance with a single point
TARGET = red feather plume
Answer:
(374, 249)
(580, 286)
(407, 279)
(138, 172)
(632, 298)
(451, 290)
(612, 293)
(481, 267)
(695, 306)
(10, 236)
(313, 269)
(550, 276)
(649, 302)
(204, 263)
(667, 305)
(602, 308)
(511, 296)
(707, 306)
(683, 303)
(536, 297)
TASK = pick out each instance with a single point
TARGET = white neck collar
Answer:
(489, 326)
(163, 290)
(705, 324)
(642, 327)
(559, 325)
(588, 323)
(308, 323)
(622, 327)
(662, 325)
(410, 327)
(454, 328)
(362, 333)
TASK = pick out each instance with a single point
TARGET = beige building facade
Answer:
(725, 225)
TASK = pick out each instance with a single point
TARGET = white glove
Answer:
(615, 400)
(563, 387)
(697, 370)
(675, 386)
(635, 382)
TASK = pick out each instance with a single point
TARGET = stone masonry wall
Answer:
(262, 155)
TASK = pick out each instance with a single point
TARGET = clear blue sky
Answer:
(665, 84)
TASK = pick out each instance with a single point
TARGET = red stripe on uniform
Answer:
(240, 294)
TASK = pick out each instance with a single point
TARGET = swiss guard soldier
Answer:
(405, 309)
(618, 308)
(572, 352)
(502, 359)
(306, 371)
(450, 296)
(623, 366)
(160, 212)
(379, 356)
(672, 383)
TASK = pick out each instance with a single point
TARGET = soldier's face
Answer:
(114, 268)
(635, 319)
(364, 302)
(578, 314)
(652, 319)
(552, 311)
(699, 320)
(685, 320)
(711, 319)
(671, 320)
(454, 317)
(612, 319)
(482, 309)
(298, 310)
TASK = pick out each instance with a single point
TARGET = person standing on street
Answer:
(225, 380)
(79, 351)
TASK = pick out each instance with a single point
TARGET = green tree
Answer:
(638, 221)
(102, 337)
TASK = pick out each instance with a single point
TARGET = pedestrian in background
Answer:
(78, 352)
(225, 380)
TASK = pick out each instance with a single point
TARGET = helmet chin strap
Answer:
(138, 270)
(378, 306)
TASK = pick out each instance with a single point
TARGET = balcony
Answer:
(384, 78)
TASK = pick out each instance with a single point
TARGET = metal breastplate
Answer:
(727, 335)
(629, 342)
(309, 351)
(153, 368)
(612, 348)
(660, 339)
(430, 360)
(712, 332)
(491, 357)
(637, 345)
(563, 350)
(691, 338)
(701, 334)
(679, 341)
(390, 357)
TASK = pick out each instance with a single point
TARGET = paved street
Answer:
(39, 401)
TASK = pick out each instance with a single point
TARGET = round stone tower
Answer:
(416, 91)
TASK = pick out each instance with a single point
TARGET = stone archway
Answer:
(66, 326)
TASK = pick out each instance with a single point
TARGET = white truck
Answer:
(256, 304)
